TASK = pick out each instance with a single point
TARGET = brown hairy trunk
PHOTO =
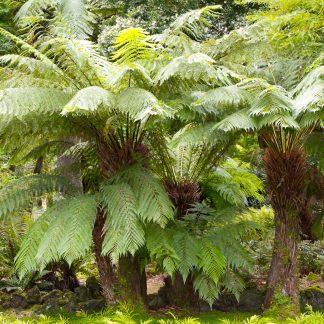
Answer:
(313, 202)
(105, 268)
(132, 280)
(183, 196)
(285, 180)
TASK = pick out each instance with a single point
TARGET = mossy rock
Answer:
(33, 296)
(4, 300)
(313, 277)
(250, 300)
(18, 300)
(313, 296)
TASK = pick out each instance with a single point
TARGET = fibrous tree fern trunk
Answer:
(105, 267)
(314, 196)
(183, 195)
(285, 174)
(132, 280)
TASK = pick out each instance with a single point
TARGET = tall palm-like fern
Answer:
(284, 122)
(82, 105)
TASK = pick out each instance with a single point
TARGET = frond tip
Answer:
(132, 44)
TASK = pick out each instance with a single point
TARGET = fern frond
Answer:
(153, 202)
(124, 231)
(50, 147)
(80, 61)
(232, 282)
(160, 244)
(69, 234)
(309, 92)
(216, 100)
(274, 99)
(279, 120)
(32, 68)
(188, 250)
(90, 99)
(236, 121)
(71, 17)
(132, 44)
(22, 101)
(194, 22)
(206, 287)
(212, 260)
(132, 73)
(20, 192)
(81, 150)
(195, 68)
(140, 104)
(75, 15)
(32, 8)
(25, 260)
(30, 50)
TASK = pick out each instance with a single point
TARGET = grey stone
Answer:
(313, 296)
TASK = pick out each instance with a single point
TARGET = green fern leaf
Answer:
(132, 44)
(124, 231)
(19, 193)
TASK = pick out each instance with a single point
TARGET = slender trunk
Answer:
(105, 268)
(285, 177)
(132, 280)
